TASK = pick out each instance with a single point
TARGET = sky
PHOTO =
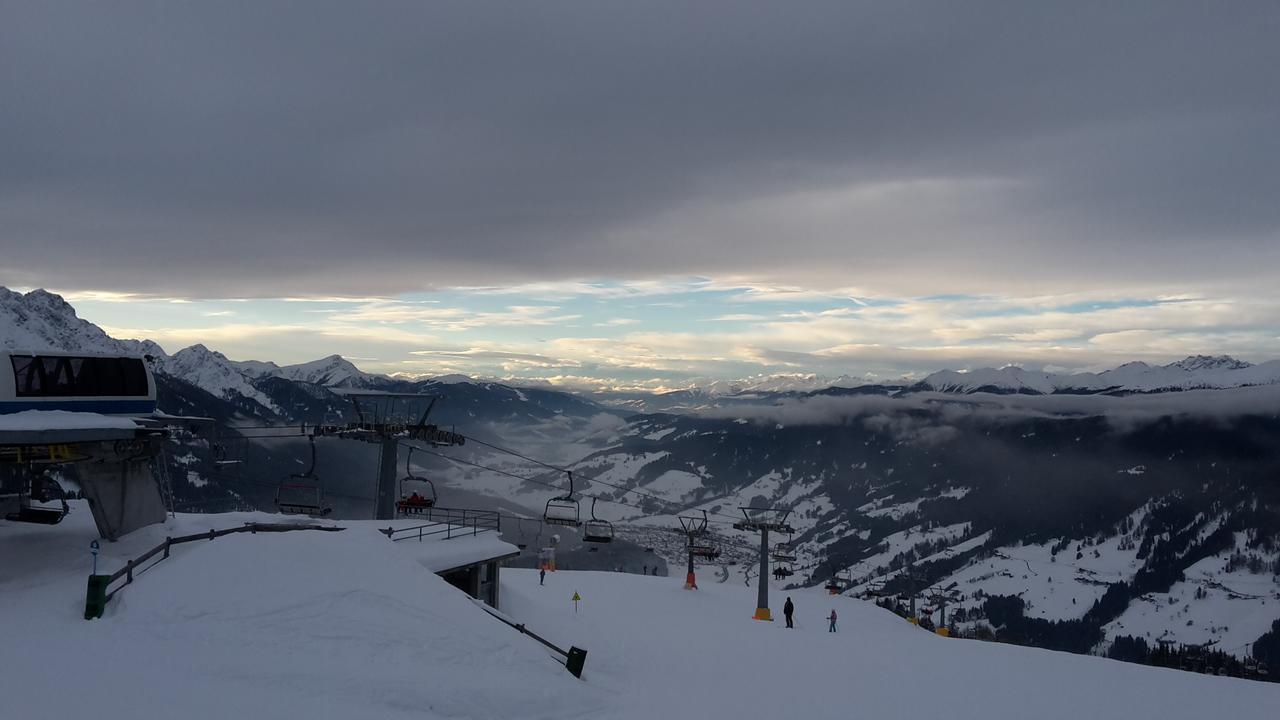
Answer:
(637, 194)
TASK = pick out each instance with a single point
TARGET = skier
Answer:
(787, 610)
(644, 570)
(833, 621)
(542, 575)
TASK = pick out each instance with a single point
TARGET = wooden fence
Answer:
(100, 591)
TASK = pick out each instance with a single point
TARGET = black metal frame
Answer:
(779, 524)
(311, 509)
(451, 522)
(596, 530)
(566, 503)
(403, 505)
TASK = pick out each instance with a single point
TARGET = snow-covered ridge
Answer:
(41, 320)
(331, 371)
(1193, 373)
(212, 371)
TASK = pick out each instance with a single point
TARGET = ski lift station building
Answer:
(95, 411)
(465, 552)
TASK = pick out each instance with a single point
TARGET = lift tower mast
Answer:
(764, 520)
(389, 419)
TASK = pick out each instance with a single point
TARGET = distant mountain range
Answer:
(40, 319)
(1193, 373)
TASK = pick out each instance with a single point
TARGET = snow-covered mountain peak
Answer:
(41, 320)
(331, 371)
(452, 379)
(212, 371)
(1209, 362)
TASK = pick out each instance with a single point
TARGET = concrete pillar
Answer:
(123, 495)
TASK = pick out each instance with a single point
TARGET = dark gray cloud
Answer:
(267, 148)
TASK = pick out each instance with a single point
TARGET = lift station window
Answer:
(59, 376)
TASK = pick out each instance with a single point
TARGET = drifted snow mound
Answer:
(672, 653)
(303, 624)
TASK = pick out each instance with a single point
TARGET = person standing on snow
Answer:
(787, 611)
(542, 576)
(833, 621)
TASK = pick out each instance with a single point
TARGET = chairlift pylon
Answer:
(596, 530)
(563, 510)
(414, 500)
(302, 494)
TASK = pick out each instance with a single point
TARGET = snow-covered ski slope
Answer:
(667, 652)
(289, 625)
(348, 625)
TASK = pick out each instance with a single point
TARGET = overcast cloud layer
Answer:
(266, 149)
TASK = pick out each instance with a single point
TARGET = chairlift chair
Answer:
(596, 530)
(839, 582)
(43, 490)
(418, 497)
(301, 494)
(784, 552)
(704, 549)
(563, 510)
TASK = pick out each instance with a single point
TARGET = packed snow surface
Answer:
(350, 625)
(661, 651)
(36, 420)
(304, 624)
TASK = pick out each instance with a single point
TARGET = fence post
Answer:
(95, 599)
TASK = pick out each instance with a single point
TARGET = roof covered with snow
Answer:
(36, 427)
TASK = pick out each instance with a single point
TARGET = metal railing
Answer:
(574, 658)
(100, 592)
(449, 522)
